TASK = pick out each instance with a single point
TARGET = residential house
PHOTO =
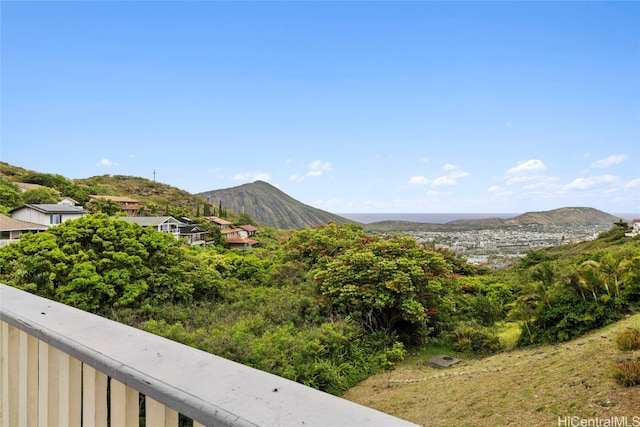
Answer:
(11, 229)
(238, 238)
(222, 223)
(635, 228)
(69, 201)
(239, 242)
(129, 206)
(249, 229)
(47, 214)
(163, 224)
(193, 235)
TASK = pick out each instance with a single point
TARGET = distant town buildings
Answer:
(479, 246)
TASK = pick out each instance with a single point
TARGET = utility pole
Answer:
(154, 175)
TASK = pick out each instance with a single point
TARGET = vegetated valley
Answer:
(331, 306)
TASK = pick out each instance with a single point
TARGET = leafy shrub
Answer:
(477, 339)
(627, 373)
(629, 340)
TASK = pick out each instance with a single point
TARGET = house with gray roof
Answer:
(47, 214)
(163, 224)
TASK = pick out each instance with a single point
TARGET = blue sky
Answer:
(346, 106)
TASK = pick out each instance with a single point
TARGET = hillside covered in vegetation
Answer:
(326, 306)
(264, 203)
(270, 206)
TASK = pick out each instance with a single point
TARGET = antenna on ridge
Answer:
(154, 175)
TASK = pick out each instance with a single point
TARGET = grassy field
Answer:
(541, 386)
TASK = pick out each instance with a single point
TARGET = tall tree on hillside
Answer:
(388, 285)
(41, 195)
(10, 195)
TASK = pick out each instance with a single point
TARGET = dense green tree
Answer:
(320, 244)
(45, 179)
(41, 195)
(10, 196)
(389, 285)
(97, 262)
(109, 207)
(244, 218)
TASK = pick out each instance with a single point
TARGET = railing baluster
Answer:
(94, 397)
(74, 387)
(48, 398)
(12, 384)
(31, 362)
(63, 389)
(124, 405)
(159, 415)
(28, 368)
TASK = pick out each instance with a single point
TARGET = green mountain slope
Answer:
(559, 217)
(149, 192)
(269, 206)
(565, 216)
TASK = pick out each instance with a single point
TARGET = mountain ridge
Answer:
(268, 205)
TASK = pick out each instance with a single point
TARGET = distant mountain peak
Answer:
(268, 205)
(565, 216)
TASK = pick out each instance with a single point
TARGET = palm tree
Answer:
(590, 276)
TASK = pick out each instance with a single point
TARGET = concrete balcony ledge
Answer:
(209, 389)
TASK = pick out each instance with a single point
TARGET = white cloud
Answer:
(526, 167)
(458, 174)
(499, 191)
(524, 178)
(584, 183)
(296, 178)
(241, 176)
(633, 184)
(261, 176)
(449, 179)
(318, 167)
(424, 159)
(252, 176)
(613, 159)
(443, 180)
(418, 180)
(106, 163)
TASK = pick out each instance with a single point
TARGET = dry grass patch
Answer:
(531, 387)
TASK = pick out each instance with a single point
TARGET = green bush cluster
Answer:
(563, 297)
(473, 338)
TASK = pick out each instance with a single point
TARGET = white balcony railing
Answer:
(64, 367)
